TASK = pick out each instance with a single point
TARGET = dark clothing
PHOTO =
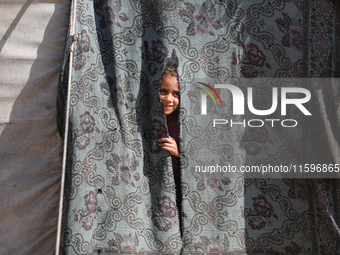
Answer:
(174, 133)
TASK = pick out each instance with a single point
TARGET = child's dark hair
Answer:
(170, 70)
(171, 66)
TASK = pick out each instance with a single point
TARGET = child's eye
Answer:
(163, 92)
(176, 94)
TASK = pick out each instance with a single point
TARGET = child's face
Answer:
(169, 94)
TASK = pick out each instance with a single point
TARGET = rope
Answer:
(62, 185)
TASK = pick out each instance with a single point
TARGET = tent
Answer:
(32, 41)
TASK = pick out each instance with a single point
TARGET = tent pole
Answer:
(62, 185)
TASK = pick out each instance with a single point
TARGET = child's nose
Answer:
(169, 97)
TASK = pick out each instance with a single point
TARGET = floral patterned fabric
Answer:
(120, 186)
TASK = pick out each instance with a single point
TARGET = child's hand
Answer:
(169, 144)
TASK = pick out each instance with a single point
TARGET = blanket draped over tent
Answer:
(120, 189)
(32, 36)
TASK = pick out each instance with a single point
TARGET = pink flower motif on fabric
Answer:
(155, 57)
(167, 207)
(295, 37)
(201, 19)
(202, 24)
(82, 142)
(212, 244)
(110, 14)
(262, 72)
(160, 52)
(127, 246)
(256, 223)
(262, 207)
(125, 174)
(213, 248)
(269, 222)
(175, 221)
(87, 123)
(82, 51)
(79, 61)
(84, 42)
(123, 242)
(77, 217)
(88, 223)
(163, 224)
(254, 55)
(212, 181)
(249, 71)
(91, 202)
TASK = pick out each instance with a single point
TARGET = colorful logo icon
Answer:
(207, 85)
(204, 98)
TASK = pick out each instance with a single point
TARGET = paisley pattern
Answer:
(120, 186)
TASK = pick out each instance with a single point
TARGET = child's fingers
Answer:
(167, 139)
(167, 149)
(172, 148)
(166, 146)
(169, 144)
(172, 151)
